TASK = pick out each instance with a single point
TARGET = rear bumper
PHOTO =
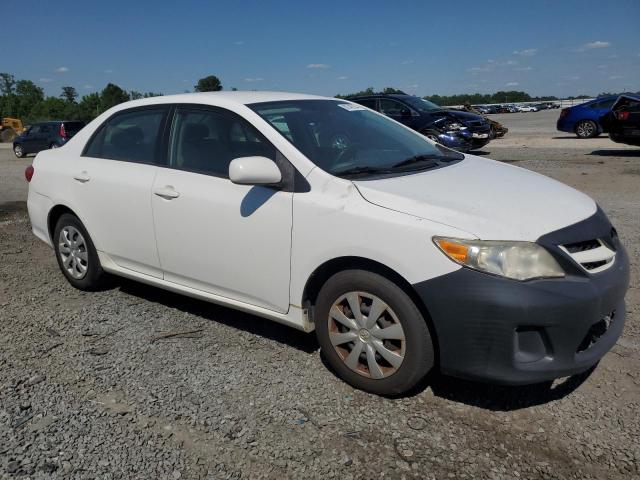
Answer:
(494, 329)
(565, 126)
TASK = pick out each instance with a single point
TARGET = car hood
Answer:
(485, 198)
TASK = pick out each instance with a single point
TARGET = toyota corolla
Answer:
(321, 214)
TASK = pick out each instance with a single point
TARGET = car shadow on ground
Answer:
(481, 395)
(216, 313)
(501, 398)
(616, 153)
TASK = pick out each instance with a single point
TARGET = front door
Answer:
(397, 110)
(213, 235)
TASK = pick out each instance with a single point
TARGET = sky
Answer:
(560, 47)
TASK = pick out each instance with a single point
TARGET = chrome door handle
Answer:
(82, 177)
(168, 193)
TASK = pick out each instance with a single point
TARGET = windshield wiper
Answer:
(362, 170)
(421, 158)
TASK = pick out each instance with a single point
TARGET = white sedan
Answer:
(321, 214)
(527, 108)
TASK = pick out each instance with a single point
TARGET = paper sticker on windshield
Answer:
(351, 107)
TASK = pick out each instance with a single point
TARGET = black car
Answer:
(427, 117)
(41, 136)
(623, 122)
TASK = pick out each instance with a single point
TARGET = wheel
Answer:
(372, 334)
(586, 129)
(54, 145)
(76, 255)
(18, 151)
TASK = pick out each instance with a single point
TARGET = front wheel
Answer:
(77, 257)
(586, 129)
(372, 333)
(18, 151)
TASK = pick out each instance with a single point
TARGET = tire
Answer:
(76, 254)
(19, 151)
(408, 348)
(54, 145)
(586, 129)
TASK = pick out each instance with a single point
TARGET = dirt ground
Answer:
(86, 391)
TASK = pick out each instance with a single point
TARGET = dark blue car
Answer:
(42, 136)
(584, 119)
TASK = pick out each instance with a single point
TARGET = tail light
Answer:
(28, 173)
(564, 112)
(622, 116)
(63, 132)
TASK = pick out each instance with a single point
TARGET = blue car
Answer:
(584, 119)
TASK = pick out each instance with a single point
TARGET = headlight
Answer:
(517, 260)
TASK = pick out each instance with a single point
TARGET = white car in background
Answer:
(319, 213)
(527, 108)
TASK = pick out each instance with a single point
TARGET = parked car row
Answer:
(513, 108)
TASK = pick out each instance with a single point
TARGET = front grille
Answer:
(594, 265)
(596, 331)
(592, 255)
(582, 246)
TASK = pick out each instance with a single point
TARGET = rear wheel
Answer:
(586, 129)
(76, 254)
(18, 151)
(372, 333)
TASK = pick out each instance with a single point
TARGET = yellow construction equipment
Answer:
(10, 128)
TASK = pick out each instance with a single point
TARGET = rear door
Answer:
(112, 183)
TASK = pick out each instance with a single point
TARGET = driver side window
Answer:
(393, 108)
(207, 140)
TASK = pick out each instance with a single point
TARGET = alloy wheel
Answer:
(585, 129)
(367, 335)
(18, 151)
(73, 252)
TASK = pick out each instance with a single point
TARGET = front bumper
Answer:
(494, 329)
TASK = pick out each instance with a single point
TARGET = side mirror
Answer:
(405, 112)
(254, 171)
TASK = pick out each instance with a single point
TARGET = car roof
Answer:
(225, 98)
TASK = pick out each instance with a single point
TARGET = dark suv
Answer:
(41, 136)
(430, 119)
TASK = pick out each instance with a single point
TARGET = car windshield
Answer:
(421, 104)
(348, 140)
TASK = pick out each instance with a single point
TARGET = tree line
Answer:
(25, 100)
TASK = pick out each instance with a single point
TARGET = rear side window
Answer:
(131, 135)
(206, 140)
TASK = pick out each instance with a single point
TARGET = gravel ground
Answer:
(88, 389)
